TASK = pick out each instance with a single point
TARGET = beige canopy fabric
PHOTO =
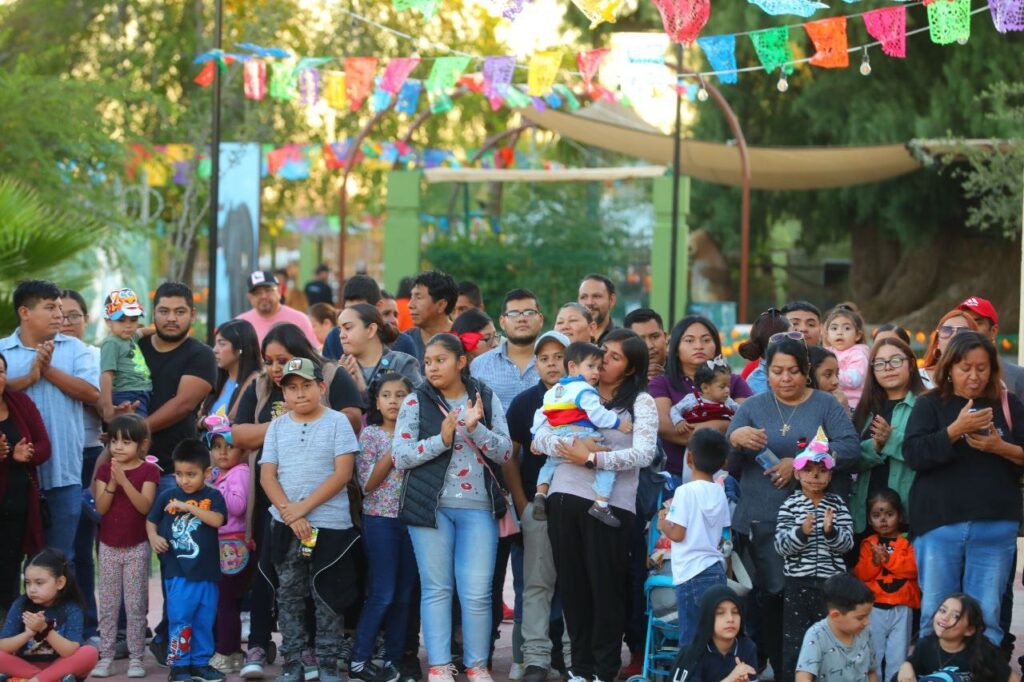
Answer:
(617, 128)
(442, 175)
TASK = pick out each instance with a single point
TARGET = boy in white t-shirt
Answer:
(694, 522)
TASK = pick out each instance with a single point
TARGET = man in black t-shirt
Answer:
(318, 290)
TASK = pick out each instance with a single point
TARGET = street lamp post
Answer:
(211, 303)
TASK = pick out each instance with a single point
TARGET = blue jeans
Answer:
(65, 505)
(604, 479)
(85, 541)
(974, 557)
(142, 397)
(688, 596)
(458, 554)
(391, 566)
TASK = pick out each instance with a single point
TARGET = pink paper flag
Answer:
(254, 73)
(683, 19)
(889, 26)
(359, 73)
(397, 71)
(588, 62)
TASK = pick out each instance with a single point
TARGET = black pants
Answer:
(636, 616)
(769, 583)
(804, 606)
(498, 588)
(12, 530)
(592, 561)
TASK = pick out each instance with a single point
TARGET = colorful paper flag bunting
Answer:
(830, 42)
(588, 62)
(439, 101)
(497, 73)
(254, 77)
(516, 98)
(445, 73)
(721, 54)
(949, 21)
(428, 8)
(683, 19)
(334, 90)
(359, 72)
(889, 27)
(566, 94)
(772, 47)
(309, 86)
(1007, 15)
(509, 9)
(800, 8)
(277, 52)
(598, 11)
(205, 77)
(381, 99)
(396, 72)
(282, 82)
(409, 96)
(542, 72)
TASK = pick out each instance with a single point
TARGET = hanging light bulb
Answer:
(783, 84)
(702, 94)
(962, 40)
(865, 64)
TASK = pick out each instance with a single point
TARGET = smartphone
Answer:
(980, 432)
(767, 459)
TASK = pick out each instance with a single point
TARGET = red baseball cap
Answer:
(980, 306)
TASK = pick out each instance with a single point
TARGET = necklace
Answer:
(785, 422)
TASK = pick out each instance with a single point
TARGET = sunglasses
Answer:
(782, 336)
(947, 331)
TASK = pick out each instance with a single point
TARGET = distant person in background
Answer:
(267, 309)
(293, 295)
(388, 308)
(476, 331)
(597, 293)
(765, 327)
(324, 318)
(649, 326)
(364, 289)
(804, 317)
(318, 290)
(890, 331)
(469, 297)
(984, 315)
(403, 297)
(575, 321)
(433, 299)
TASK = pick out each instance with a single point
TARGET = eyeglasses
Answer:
(516, 314)
(489, 339)
(947, 331)
(74, 318)
(894, 362)
(782, 336)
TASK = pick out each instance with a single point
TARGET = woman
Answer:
(476, 331)
(963, 440)
(951, 324)
(450, 437)
(592, 559)
(324, 318)
(239, 362)
(365, 337)
(576, 322)
(694, 341)
(259, 405)
(890, 390)
(783, 419)
(24, 445)
(767, 324)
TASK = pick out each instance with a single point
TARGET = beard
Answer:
(172, 338)
(524, 339)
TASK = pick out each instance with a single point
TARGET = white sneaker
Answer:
(479, 674)
(103, 668)
(135, 668)
(222, 663)
(443, 673)
(516, 671)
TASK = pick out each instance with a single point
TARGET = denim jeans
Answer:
(688, 596)
(391, 568)
(85, 545)
(974, 557)
(458, 554)
(65, 505)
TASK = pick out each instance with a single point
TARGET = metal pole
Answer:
(676, 168)
(211, 303)
(1020, 315)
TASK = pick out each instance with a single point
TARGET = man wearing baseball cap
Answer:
(267, 309)
(984, 315)
(521, 472)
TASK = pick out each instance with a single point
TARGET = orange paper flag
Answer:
(829, 38)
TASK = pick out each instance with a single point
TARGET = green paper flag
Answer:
(949, 21)
(445, 73)
(282, 82)
(772, 46)
(515, 98)
(428, 8)
(439, 101)
(565, 93)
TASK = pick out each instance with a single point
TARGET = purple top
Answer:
(661, 387)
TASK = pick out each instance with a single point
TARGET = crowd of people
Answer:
(360, 478)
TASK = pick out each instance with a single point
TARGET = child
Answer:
(888, 567)
(719, 651)
(124, 489)
(231, 478)
(182, 528)
(813, 532)
(694, 523)
(838, 648)
(712, 401)
(392, 564)
(307, 462)
(42, 636)
(824, 373)
(957, 645)
(573, 409)
(844, 336)
(124, 375)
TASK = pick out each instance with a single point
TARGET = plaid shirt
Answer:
(502, 375)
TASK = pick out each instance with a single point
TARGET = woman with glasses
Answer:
(952, 323)
(767, 432)
(765, 327)
(963, 440)
(890, 390)
(475, 329)
(365, 338)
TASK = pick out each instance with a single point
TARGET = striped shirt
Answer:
(496, 369)
(818, 555)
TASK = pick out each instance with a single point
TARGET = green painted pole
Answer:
(402, 227)
(661, 248)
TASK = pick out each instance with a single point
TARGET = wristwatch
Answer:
(591, 460)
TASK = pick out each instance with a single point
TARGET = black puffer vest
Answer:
(421, 491)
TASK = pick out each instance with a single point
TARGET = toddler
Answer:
(711, 401)
(844, 336)
(573, 409)
(838, 648)
(124, 375)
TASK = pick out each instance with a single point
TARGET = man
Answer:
(431, 302)
(469, 297)
(183, 372)
(984, 315)
(804, 317)
(538, 566)
(388, 308)
(268, 311)
(597, 293)
(649, 326)
(509, 369)
(61, 375)
(318, 290)
(364, 289)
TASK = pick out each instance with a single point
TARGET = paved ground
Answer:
(503, 651)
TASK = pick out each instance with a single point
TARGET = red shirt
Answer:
(123, 525)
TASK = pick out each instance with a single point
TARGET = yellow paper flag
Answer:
(540, 77)
(334, 90)
(598, 11)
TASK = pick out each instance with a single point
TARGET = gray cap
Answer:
(551, 336)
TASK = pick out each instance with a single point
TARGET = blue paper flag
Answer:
(721, 54)
(800, 8)
(409, 96)
(259, 51)
(381, 98)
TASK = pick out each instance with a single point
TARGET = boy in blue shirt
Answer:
(182, 527)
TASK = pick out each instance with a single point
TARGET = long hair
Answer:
(54, 561)
(770, 322)
(373, 413)
(369, 314)
(242, 337)
(931, 353)
(673, 367)
(959, 346)
(295, 344)
(872, 400)
(452, 344)
(816, 355)
(637, 358)
(981, 651)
